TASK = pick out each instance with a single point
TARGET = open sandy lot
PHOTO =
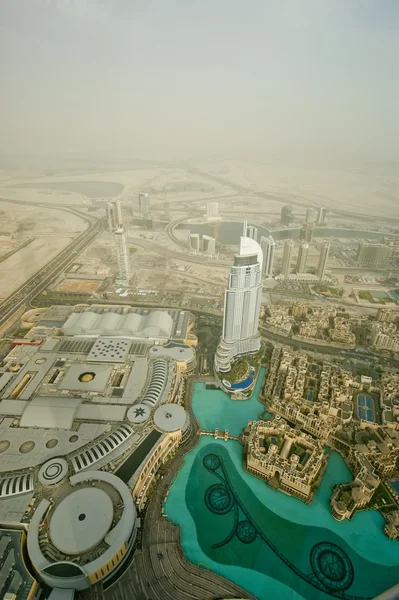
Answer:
(52, 229)
(78, 285)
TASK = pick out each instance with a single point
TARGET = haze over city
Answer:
(287, 80)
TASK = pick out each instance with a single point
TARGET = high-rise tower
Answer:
(141, 205)
(114, 215)
(124, 271)
(287, 255)
(252, 232)
(194, 241)
(302, 258)
(321, 216)
(286, 215)
(310, 215)
(144, 205)
(212, 210)
(268, 249)
(306, 233)
(242, 301)
(322, 264)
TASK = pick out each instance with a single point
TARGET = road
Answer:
(40, 280)
(354, 354)
(175, 254)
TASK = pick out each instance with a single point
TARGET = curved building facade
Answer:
(83, 535)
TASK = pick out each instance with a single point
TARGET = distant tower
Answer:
(194, 241)
(114, 215)
(242, 301)
(208, 245)
(252, 232)
(286, 215)
(109, 211)
(144, 205)
(124, 271)
(322, 264)
(306, 233)
(268, 248)
(287, 255)
(302, 258)
(212, 210)
(310, 215)
(321, 216)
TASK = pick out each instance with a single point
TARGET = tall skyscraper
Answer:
(212, 210)
(286, 215)
(141, 205)
(109, 211)
(310, 215)
(252, 232)
(194, 241)
(321, 216)
(144, 205)
(208, 245)
(268, 249)
(306, 233)
(287, 256)
(242, 301)
(114, 215)
(372, 255)
(302, 258)
(322, 264)
(124, 270)
(201, 243)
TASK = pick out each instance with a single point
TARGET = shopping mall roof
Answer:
(157, 324)
(170, 417)
(50, 412)
(81, 520)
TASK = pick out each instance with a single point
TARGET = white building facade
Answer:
(124, 270)
(268, 249)
(241, 306)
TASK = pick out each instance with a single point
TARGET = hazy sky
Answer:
(183, 78)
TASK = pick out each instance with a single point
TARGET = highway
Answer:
(40, 280)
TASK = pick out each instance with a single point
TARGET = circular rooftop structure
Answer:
(53, 471)
(138, 413)
(82, 535)
(81, 520)
(170, 417)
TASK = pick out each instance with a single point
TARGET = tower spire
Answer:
(244, 232)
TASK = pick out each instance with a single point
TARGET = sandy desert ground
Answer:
(52, 230)
(373, 189)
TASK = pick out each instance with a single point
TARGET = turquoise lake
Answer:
(272, 545)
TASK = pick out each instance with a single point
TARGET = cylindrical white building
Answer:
(85, 533)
